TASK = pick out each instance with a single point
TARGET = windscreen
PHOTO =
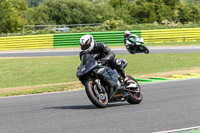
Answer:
(85, 58)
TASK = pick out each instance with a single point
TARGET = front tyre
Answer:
(145, 50)
(131, 51)
(135, 97)
(99, 99)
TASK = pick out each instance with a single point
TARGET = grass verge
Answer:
(59, 73)
(39, 89)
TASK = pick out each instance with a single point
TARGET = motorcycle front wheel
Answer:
(145, 49)
(131, 51)
(99, 99)
(135, 97)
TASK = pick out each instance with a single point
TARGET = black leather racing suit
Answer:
(106, 55)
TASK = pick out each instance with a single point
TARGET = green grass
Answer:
(35, 91)
(35, 71)
(157, 63)
(18, 72)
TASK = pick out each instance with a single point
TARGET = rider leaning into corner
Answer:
(130, 39)
(89, 46)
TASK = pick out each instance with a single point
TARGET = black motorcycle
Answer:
(96, 75)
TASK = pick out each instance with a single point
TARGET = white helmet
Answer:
(127, 33)
(86, 43)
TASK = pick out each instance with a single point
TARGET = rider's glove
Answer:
(104, 59)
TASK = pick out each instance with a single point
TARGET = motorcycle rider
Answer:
(130, 39)
(89, 46)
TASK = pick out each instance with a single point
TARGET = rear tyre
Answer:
(100, 100)
(135, 97)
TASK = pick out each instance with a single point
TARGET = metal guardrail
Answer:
(72, 39)
(109, 38)
(26, 42)
(67, 25)
(171, 35)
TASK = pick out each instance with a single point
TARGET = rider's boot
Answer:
(132, 86)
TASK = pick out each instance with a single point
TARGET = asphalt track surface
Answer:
(166, 106)
(73, 52)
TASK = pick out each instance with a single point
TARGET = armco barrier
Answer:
(72, 39)
(171, 35)
(109, 38)
(26, 42)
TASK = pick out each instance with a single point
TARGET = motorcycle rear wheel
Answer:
(135, 97)
(100, 100)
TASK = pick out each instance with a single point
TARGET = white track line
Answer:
(176, 130)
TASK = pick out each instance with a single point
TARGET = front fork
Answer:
(99, 87)
(141, 47)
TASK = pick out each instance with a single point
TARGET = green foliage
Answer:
(15, 13)
(188, 13)
(118, 3)
(111, 24)
(72, 12)
(106, 26)
(80, 12)
(11, 17)
(143, 12)
(191, 1)
(172, 3)
(148, 11)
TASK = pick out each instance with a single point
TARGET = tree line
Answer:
(14, 14)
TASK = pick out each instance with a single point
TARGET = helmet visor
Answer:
(85, 47)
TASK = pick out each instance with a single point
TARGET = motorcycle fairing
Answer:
(88, 63)
(108, 75)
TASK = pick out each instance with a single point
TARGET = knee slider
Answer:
(118, 63)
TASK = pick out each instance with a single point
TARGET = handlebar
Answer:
(99, 61)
